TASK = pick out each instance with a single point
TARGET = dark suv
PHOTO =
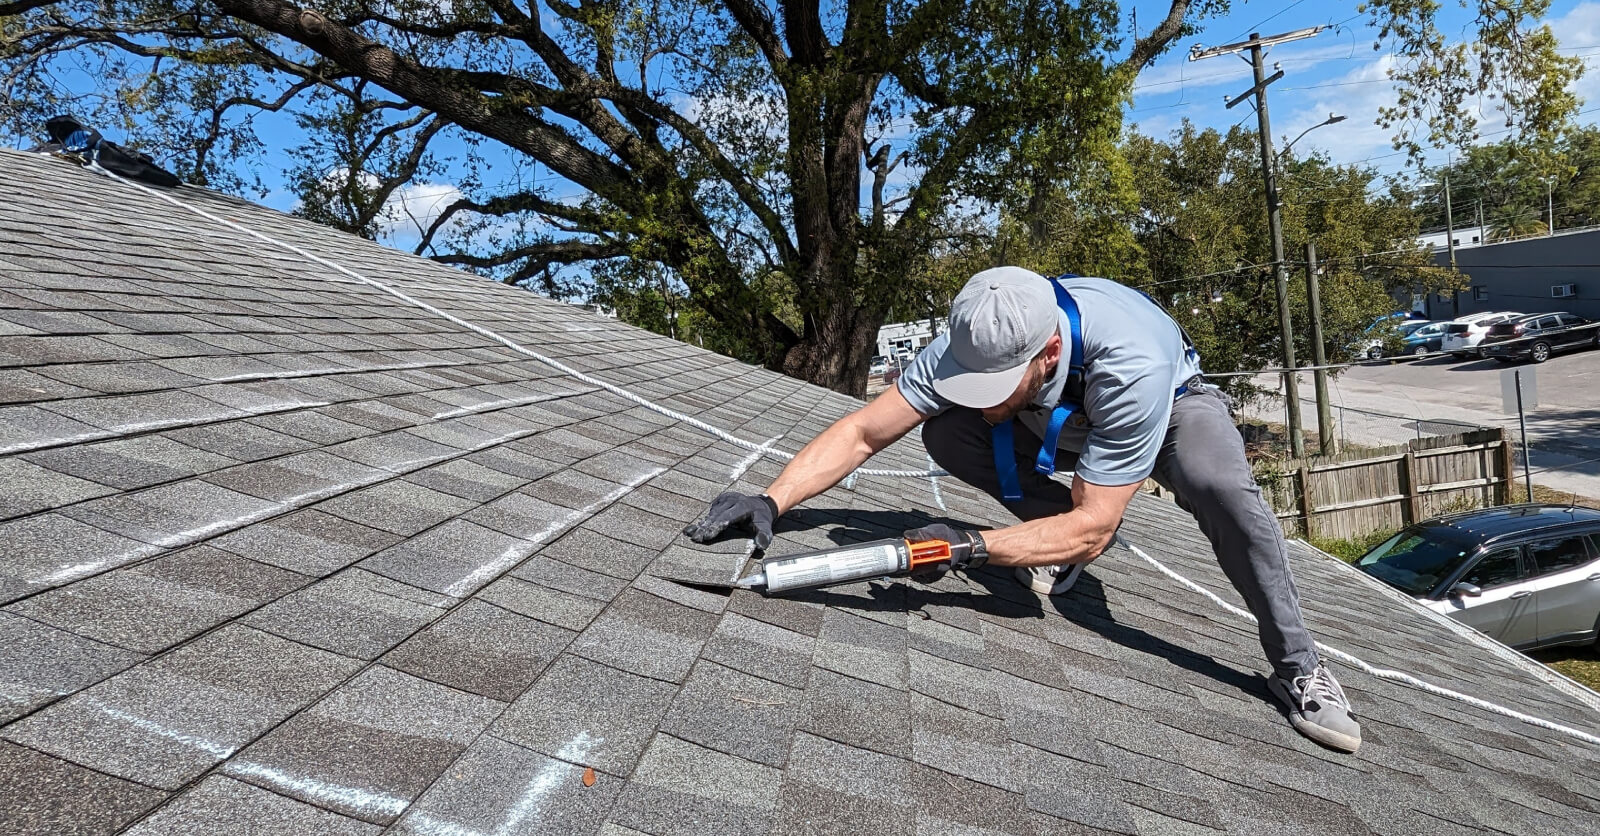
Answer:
(1527, 575)
(1536, 336)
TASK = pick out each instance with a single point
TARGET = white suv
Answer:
(1463, 336)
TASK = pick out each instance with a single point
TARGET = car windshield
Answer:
(1416, 559)
(1453, 328)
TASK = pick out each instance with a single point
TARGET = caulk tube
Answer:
(878, 559)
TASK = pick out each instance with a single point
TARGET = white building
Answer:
(1465, 236)
(907, 338)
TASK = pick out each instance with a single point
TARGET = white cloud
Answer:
(412, 208)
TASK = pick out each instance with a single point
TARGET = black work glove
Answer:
(752, 513)
(967, 550)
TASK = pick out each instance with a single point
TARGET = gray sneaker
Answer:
(1049, 580)
(1319, 709)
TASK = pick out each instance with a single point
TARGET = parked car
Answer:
(1424, 339)
(1463, 336)
(1393, 328)
(1526, 575)
(1536, 336)
(880, 364)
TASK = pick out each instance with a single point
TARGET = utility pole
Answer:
(1257, 46)
(1319, 354)
(1450, 241)
(1550, 207)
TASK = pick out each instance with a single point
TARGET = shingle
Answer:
(370, 747)
(612, 711)
(354, 613)
(522, 516)
(36, 351)
(574, 612)
(164, 722)
(127, 413)
(24, 386)
(467, 480)
(858, 713)
(31, 427)
(26, 488)
(735, 713)
(49, 550)
(40, 663)
(680, 788)
(457, 558)
(43, 795)
(297, 478)
(599, 553)
(223, 805)
(647, 531)
(173, 515)
(862, 648)
(962, 742)
(309, 542)
(482, 649)
(824, 763)
(161, 602)
(397, 507)
(761, 649)
(239, 440)
(568, 578)
(803, 617)
(496, 787)
(647, 635)
(951, 804)
(129, 463)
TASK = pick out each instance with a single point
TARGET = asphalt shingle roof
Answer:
(284, 554)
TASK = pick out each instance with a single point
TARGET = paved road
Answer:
(1383, 404)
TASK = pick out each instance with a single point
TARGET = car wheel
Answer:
(1419, 351)
(1376, 353)
(1539, 352)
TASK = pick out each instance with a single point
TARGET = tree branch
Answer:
(1148, 47)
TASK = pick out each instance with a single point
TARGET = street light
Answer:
(1332, 119)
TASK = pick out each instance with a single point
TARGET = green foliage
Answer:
(1511, 68)
(732, 144)
(1515, 187)
(1185, 219)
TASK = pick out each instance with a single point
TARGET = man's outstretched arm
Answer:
(843, 447)
(1077, 536)
(818, 466)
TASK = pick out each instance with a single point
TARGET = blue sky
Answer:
(1337, 71)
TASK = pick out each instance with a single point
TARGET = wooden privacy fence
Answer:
(1355, 494)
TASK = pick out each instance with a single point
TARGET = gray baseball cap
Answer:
(999, 321)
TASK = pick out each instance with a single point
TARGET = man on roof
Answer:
(1091, 376)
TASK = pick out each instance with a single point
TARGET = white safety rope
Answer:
(763, 449)
(1381, 673)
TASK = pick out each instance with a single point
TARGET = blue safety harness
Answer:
(1001, 439)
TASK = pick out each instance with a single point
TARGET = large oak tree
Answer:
(786, 163)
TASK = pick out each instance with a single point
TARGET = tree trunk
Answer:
(837, 346)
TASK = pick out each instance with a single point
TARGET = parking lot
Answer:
(1393, 402)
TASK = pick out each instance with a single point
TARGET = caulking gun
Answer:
(889, 558)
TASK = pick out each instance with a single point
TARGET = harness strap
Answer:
(1005, 462)
(1001, 436)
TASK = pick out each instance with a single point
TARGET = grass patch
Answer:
(1551, 495)
(1349, 550)
(1580, 663)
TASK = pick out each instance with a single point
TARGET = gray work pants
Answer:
(1202, 462)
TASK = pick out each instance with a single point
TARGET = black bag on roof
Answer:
(68, 135)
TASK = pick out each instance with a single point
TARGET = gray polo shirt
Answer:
(1134, 360)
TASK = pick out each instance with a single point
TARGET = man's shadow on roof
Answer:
(996, 592)
(1001, 596)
